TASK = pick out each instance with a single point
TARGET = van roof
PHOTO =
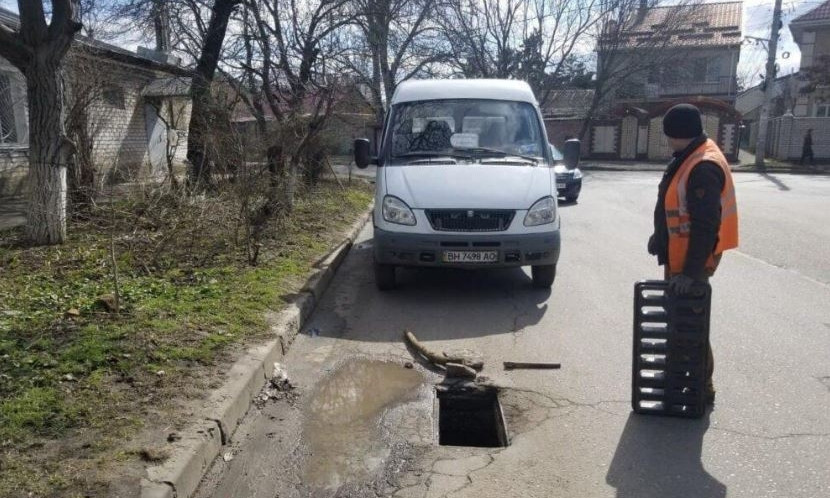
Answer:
(512, 90)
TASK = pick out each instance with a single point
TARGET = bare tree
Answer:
(211, 50)
(484, 36)
(534, 40)
(37, 48)
(85, 84)
(396, 40)
(290, 67)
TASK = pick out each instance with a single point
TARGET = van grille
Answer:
(469, 220)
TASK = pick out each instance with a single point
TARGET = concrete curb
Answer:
(179, 476)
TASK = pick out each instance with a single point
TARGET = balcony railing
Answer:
(725, 86)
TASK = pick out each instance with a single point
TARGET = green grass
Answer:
(67, 364)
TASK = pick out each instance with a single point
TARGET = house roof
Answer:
(699, 25)
(567, 103)
(820, 13)
(108, 50)
(513, 90)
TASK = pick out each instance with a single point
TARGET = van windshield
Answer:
(479, 128)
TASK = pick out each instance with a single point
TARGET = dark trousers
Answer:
(805, 153)
(710, 358)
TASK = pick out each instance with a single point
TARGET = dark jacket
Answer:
(706, 182)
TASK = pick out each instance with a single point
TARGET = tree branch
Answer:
(13, 49)
(64, 21)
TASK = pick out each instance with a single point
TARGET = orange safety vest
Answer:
(677, 213)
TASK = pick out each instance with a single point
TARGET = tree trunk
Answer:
(49, 152)
(200, 92)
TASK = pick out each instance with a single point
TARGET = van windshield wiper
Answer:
(484, 152)
(432, 154)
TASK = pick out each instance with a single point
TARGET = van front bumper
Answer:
(410, 249)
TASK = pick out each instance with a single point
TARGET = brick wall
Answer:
(786, 137)
(14, 164)
(560, 130)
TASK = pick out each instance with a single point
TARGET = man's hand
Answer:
(680, 284)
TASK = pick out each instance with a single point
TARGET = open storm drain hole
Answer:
(471, 418)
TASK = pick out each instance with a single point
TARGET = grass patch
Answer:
(71, 366)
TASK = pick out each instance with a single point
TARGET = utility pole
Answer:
(769, 91)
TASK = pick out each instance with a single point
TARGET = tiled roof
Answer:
(820, 13)
(700, 25)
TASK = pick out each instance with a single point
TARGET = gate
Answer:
(628, 138)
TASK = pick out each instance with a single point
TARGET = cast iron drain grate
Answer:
(471, 418)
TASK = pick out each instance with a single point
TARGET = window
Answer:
(698, 69)
(823, 110)
(114, 96)
(713, 70)
(8, 128)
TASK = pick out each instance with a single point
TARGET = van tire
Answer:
(384, 276)
(543, 276)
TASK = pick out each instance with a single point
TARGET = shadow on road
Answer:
(660, 457)
(434, 303)
(778, 183)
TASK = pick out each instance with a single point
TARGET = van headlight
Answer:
(542, 212)
(396, 211)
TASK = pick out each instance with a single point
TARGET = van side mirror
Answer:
(362, 156)
(571, 153)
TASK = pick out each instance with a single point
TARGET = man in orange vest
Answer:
(696, 216)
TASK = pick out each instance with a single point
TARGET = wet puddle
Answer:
(342, 428)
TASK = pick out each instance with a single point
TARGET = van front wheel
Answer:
(384, 276)
(543, 276)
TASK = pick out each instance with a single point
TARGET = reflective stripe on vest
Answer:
(677, 213)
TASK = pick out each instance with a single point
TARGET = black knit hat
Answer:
(682, 121)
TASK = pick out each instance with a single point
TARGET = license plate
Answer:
(471, 256)
(560, 185)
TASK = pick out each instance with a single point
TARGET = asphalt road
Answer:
(572, 431)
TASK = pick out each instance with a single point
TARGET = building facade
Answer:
(134, 108)
(682, 54)
(810, 106)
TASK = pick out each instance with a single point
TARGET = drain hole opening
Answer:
(471, 419)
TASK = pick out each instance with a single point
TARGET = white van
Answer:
(465, 179)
